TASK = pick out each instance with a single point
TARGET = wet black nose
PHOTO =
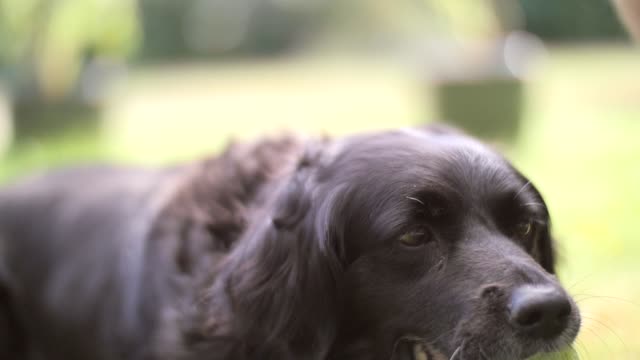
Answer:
(540, 311)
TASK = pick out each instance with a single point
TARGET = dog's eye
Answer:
(415, 239)
(524, 229)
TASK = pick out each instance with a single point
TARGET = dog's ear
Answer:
(545, 249)
(279, 284)
(547, 252)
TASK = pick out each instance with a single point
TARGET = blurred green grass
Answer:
(580, 145)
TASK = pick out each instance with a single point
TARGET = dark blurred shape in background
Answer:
(178, 30)
(572, 20)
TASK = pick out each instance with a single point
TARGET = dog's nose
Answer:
(540, 311)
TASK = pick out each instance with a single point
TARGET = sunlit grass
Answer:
(32, 155)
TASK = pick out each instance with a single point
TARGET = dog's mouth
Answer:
(419, 350)
(416, 350)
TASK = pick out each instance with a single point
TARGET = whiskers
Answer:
(599, 337)
(527, 184)
(416, 200)
(558, 350)
(458, 351)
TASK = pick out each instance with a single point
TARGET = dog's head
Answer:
(412, 239)
(446, 245)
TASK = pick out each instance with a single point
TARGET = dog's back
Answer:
(95, 262)
(74, 260)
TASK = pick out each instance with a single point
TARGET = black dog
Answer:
(408, 244)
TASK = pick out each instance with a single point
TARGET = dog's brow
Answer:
(535, 207)
(532, 204)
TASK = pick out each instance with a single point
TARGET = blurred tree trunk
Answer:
(26, 85)
(629, 12)
(34, 115)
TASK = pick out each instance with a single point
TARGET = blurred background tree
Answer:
(572, 20)
(45, 45)
(212, 28)
(59, 59)
(54, 54)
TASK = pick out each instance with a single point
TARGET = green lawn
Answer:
(580, 145)
(582, 149)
